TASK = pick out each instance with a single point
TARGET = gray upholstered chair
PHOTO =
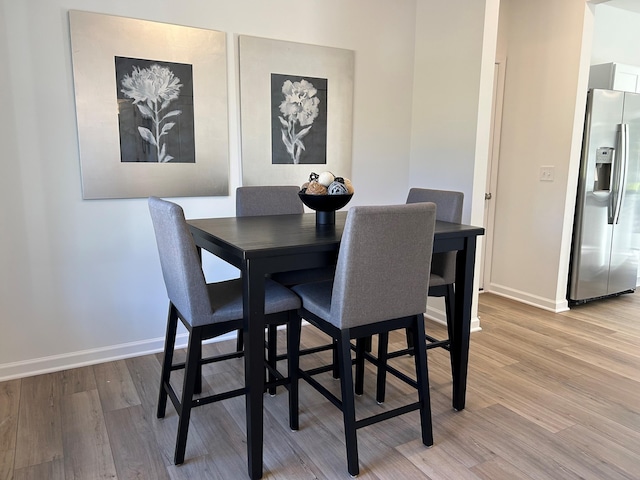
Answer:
(443, 265)
(278, 200)
(268, 200)
(261, 200)
(207, 311)
(442, 274)
(380, 285)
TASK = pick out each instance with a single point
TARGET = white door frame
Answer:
(492, 173)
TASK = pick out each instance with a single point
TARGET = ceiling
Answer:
(631, 5)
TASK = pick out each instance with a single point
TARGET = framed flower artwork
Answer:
(151, 105)
(296, 107)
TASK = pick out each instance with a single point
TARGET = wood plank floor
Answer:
(550, 396)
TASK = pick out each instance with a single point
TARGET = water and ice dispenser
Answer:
(602, 177)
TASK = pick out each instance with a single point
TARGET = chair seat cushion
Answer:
(436, 280)
(226, 300)
(316, 297)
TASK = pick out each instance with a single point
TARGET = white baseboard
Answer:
(55, 363)
(82, 358)
(440, 316)
(551, 305)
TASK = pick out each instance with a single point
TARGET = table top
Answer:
(260, 236)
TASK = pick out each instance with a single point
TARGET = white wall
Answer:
(454, 57)
(446, 95)
(544, 99)
(80, 280)
(616, 36)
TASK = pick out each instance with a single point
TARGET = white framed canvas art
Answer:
(296, 109)
(151, 105)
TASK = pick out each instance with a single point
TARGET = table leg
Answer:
(465, 261)
(253, 322)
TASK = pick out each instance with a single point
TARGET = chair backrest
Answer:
(383, 264)
(449, 209)
(449, 203)
(179, 259)
(268, 200)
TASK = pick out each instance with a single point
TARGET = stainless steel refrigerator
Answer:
(604, 256)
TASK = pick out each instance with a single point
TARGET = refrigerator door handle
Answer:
(622, 162)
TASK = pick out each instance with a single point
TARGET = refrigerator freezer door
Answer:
(592, 231)
(624, 261)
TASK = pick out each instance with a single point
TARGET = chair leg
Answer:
(334, 352)
(362, 344)
(383, 349)
(368, 341)
(167, 361)
(422, 377)
(293, 364)
(449, 306)
(240, 341)
(272, 352)
(194, 352)
(409, 336)
(197, 387)
(348, 402)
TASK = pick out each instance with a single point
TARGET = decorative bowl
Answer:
(325, 205)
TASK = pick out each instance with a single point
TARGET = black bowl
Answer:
(325, 203)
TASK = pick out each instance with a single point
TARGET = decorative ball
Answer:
(349, 185)
(337, 188)
(325, 178)
(304, 186)
(339, 179)
(313, 176)
(315, 188)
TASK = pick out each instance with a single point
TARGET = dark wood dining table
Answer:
(259, 246)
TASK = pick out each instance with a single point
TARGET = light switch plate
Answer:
(547, 173)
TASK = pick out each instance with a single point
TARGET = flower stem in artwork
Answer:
(152, 90)
(299, 108)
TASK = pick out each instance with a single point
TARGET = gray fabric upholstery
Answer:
(198, 303)
(383, 267)
(449, 209)
(226, 299)
(268, 200)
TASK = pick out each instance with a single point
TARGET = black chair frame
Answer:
(346, 403)
(192, 383)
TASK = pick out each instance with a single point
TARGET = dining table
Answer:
(262, 245)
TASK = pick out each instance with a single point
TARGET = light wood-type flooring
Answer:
(550, 396)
